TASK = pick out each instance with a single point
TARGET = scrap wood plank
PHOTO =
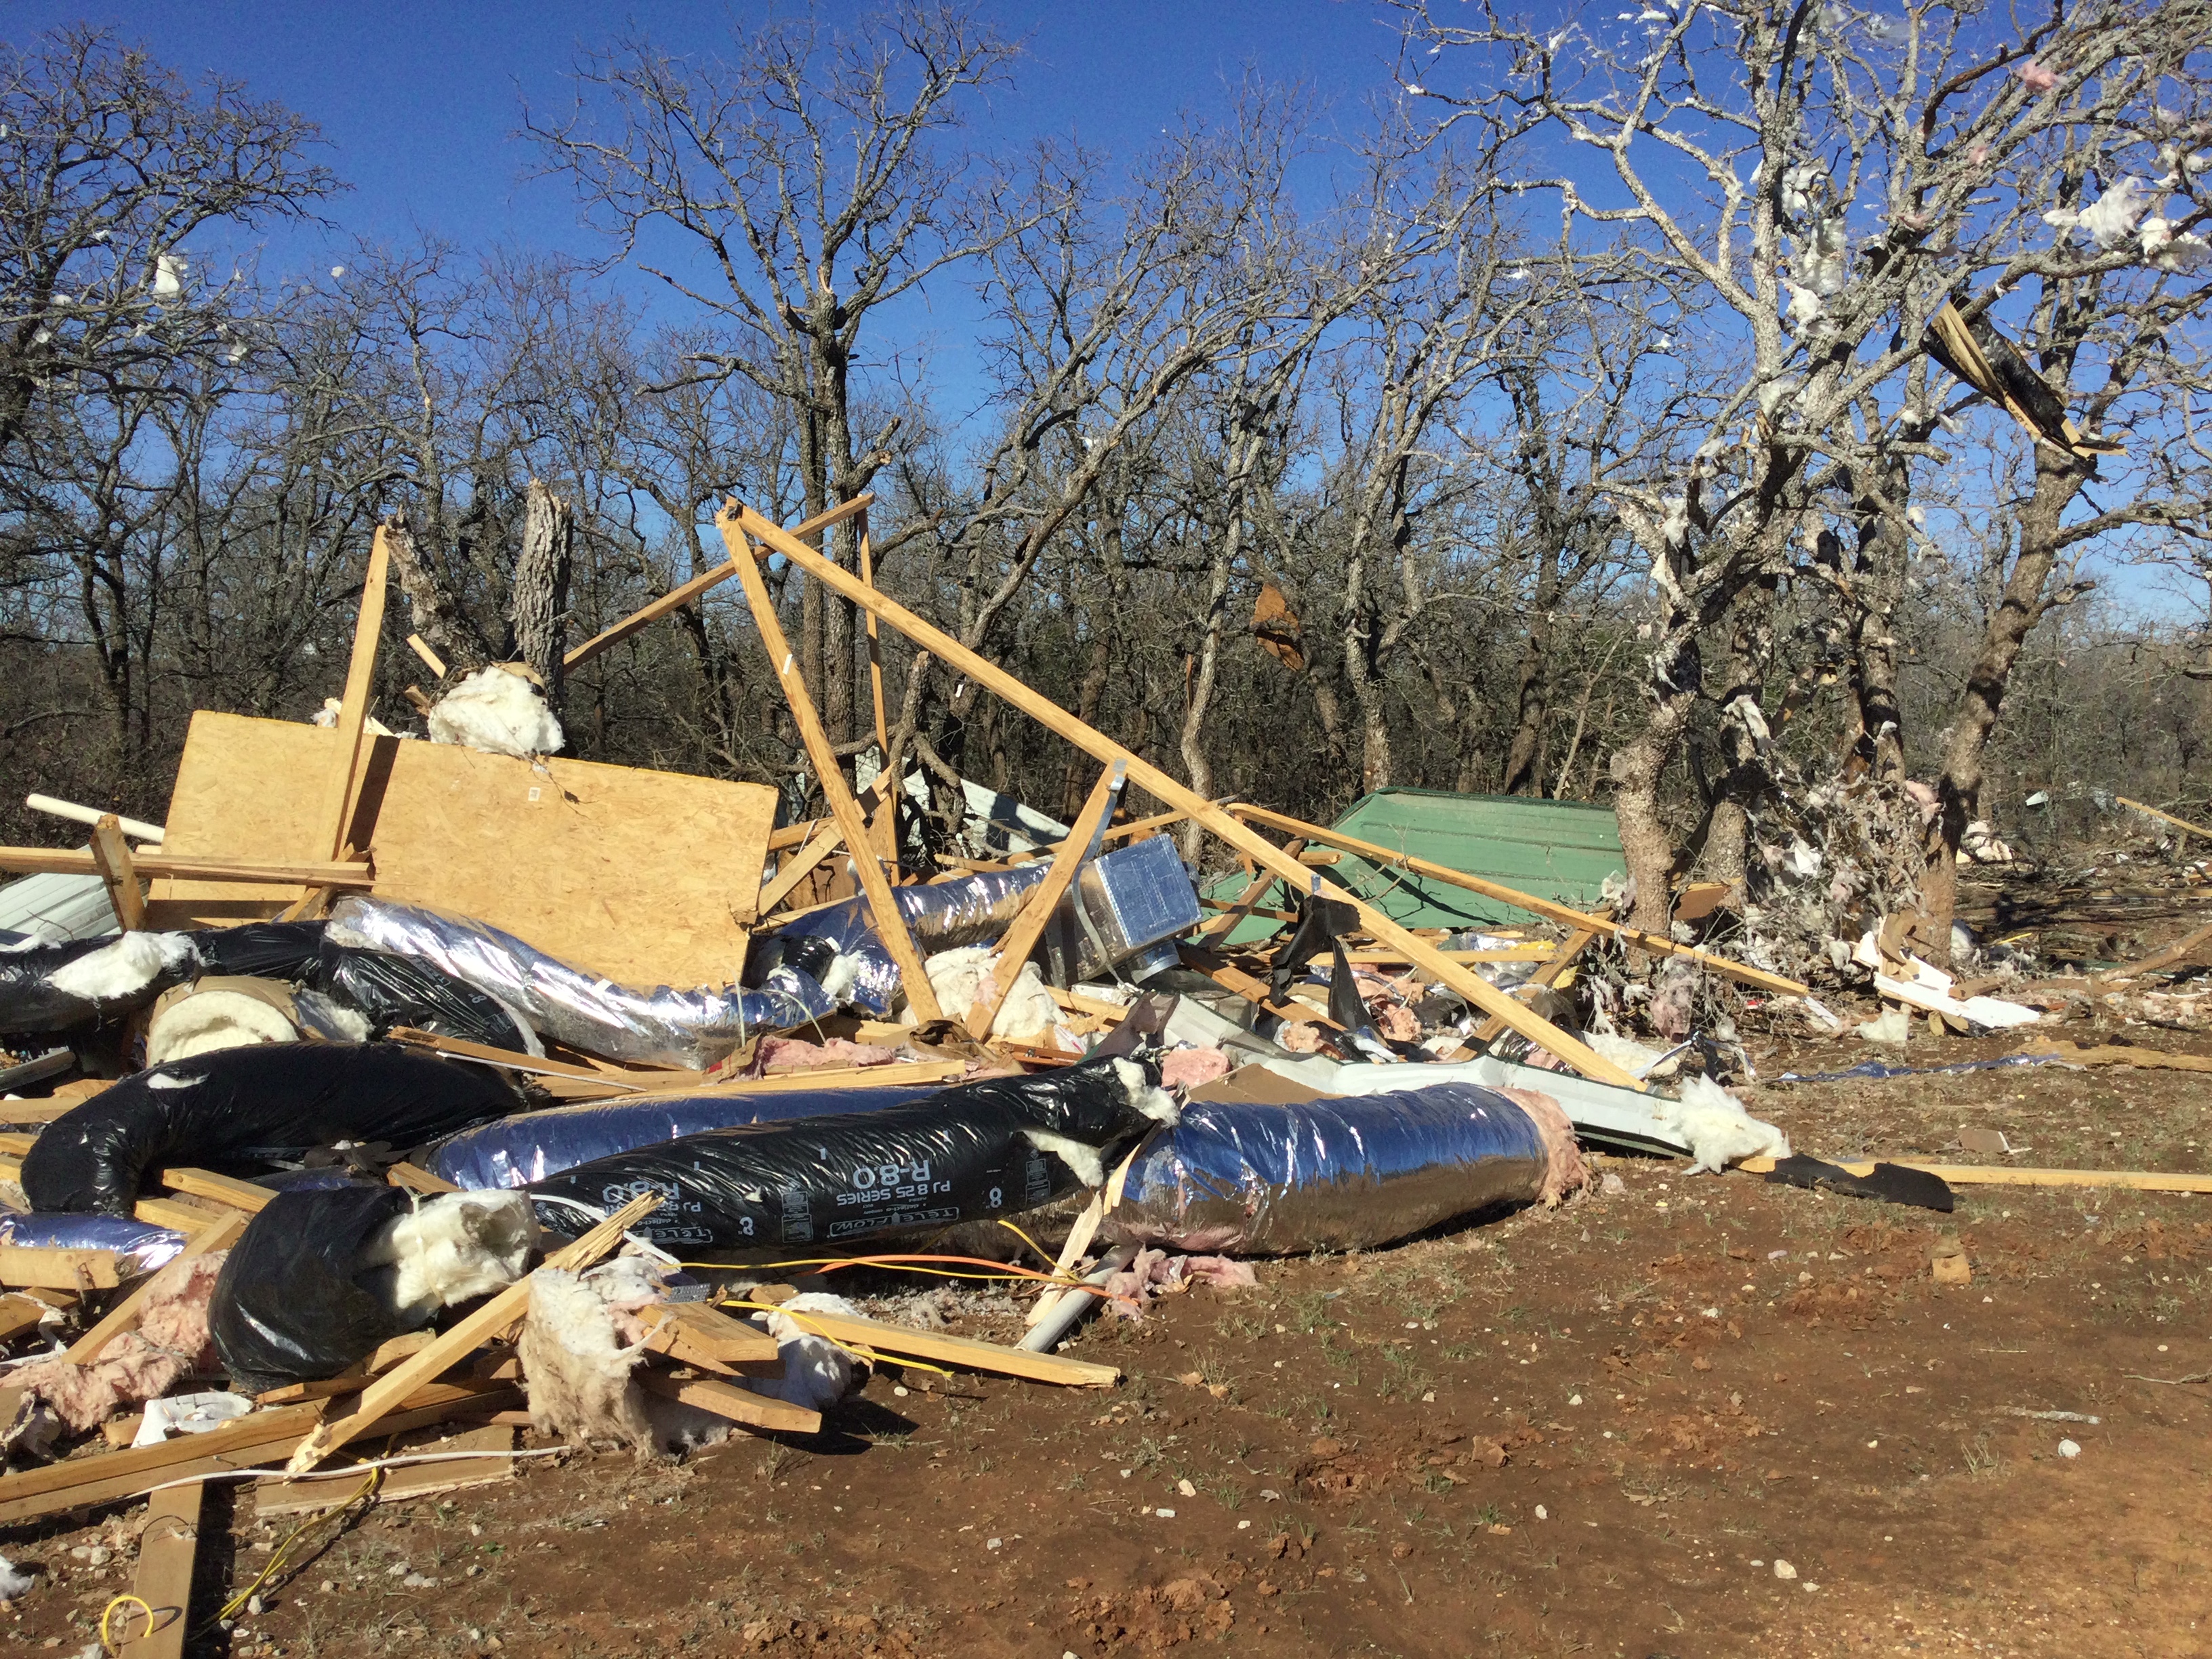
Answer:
(417, 1179)
(223, 1189)
(26, 1266)
(1997, 1175)
(740, 521)
(957, 1350)
(1229, 977)
(533, 1065)
(1566, 916)
(181, 1215)
(882, 906)
(681, 595)
(168, 1542)
(2179, 823)
(17, 1145)
(18, 1314)
(796, 868)
(2166, 956)
(277, 1494)
(378, 1400)
(111, 854)
(739, 1406)
(78, 1482)
(1037, 913)
(2119, 1054)
(708, 1330)
(345, 772)
(46, 860)
(875, 651)
(124, 1315)
(382, 1359)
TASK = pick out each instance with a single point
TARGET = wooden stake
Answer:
(739, 519)
(1021, 938)
(431, 660)
(111, 855)
(167, 1544)
(223, 1189)
(883, 907)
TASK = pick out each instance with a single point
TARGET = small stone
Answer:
(395, 1570)
(1783, 1570)
(899, 1389)
(2067, 1449)
(475, 1531)
(253, 1605)
(473, 1570)
(419, 1581)
(1542, 1514)
(327, 1585)
(1270, 1495)
(1243, 1526)
(1574, 1400)
(993, 1543)
(1186, 1489)
(1165, 1515)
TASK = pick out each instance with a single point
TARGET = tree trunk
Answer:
(1533, 685)
(1191, 741)
(432, 608)
(1878, 585)
(539, 612)
(1637, 771)
(2058, 478)
(1744, 739)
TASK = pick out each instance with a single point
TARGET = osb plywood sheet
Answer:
(644, 877)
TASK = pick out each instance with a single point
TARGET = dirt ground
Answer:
(1695, 1416)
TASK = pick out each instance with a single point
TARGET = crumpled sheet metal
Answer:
(660, 1026)
(532, 1146)
(147, 1247)
(1339, 1173)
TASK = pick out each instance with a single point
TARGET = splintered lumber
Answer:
(124, 1315)
(353, 708)
(78, 1483)
(796, 868)
(223, 1189)
(740, 1406)
(385, 1355)
(698, 1329)
(508, 1059)
(25, 1267)
(2179, 823)
(740, 521)
(46, 860)
(676, 597)
(2166, 956)
(957, 1349)
(1996, 1174)
(111, 855)
(2119, 1054)
(1224, 924)
(417, 1179)
(1229, 977)
(277, 1495)
(166, 1545)
(179, 1215)
(1037, 913)
(18, 1314)
(883, 907)
(469, 1332)
(1566, 916)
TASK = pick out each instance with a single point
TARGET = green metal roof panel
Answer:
(1559, 850)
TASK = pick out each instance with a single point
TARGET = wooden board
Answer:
(957, 1350)
(167, 1545)
(275, 1494)
(26, 1266)
(648, 877)
(77, 1482)
(740, 1405)
(2001, 1174)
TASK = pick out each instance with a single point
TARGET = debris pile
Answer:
(426, 1097)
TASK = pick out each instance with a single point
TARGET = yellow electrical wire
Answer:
(280, 1557)
(106, 1612)
(1041, 1256)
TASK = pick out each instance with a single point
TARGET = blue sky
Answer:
(419, 101)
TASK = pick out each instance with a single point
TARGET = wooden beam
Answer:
(111, 854)
(676, 597)
(223, 1189)
(417, 1179)
(352, 706)
(711, 1332)
(509, 1060)
(1224, 924)
(2166, 956)
(124, 1315)
(740, 1405)
(795, 868)
(2119, 1054)
(275, 1495)
(1037, 913)
(875, 654)
(957, 1350)
(740, 521)
(1998, 1175)
(2179, 823)
(883, 907)
(378, 1400)
(18, 1314)
(1560, 960)
(181, 1215)
(25, 1267)
(77, 1483)
(1566, 916)
(168, 1541)
(47, 860)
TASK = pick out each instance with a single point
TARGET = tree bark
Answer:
(1532, 682)
(538, 611)
(432, 609)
